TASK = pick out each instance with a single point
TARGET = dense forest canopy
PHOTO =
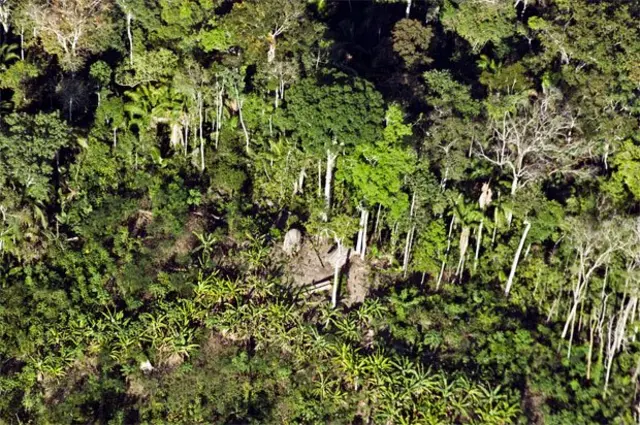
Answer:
(319, 212)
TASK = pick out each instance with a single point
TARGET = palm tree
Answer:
(150, 106)
(7, 54)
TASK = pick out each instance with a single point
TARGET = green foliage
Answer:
(411, 41)
(625, 177)
(448, 95)
(29, 147)
(376, 171)
(335, 113)
(142, 271)
(480, 22)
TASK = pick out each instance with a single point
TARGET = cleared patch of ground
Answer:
(312, 266)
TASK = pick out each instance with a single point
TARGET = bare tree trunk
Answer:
(301, 177)
(319, 178)
(571, 317)
(360, 226)
(186, 138)
(407, 247)
(446, 254)
(22, 43)
(364, 235)
(478, 242)
(464, 244)
(413, 205)
(407, 250)
(115, 139)
(201, 135)
(590, 352)
(331, 160)
(610, 348)
(443, 181)
(516, 258)
(219, 94)
(407, 11)
(514, 184)
(130, 37)
(244, 127)
(495, 227)
(375, 227)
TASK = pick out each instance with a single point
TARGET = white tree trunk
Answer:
(514, 184)
(244, 127)
(516, 258)
(407, 250)
(360, 226)
(590, 353)
(130, 37)
(407, 11)
(201, 132)
(219, 94)
(115, 138)
(22, 44)
(331, 161)
(319, 178)
(446, 254)
(375, 227)
(364, 235)
(301, 177)
(495, 227)
(478, 242)
(185, 142)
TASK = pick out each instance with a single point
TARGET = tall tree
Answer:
(72, 29)
(333, 115)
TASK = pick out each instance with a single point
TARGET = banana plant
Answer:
(350, 363)
(205, 248)
(347, 329)
(370, 311)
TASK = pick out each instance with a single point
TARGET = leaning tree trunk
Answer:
(516, 258)
(244, 127)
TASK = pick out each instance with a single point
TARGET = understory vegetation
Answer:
(319, 212)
